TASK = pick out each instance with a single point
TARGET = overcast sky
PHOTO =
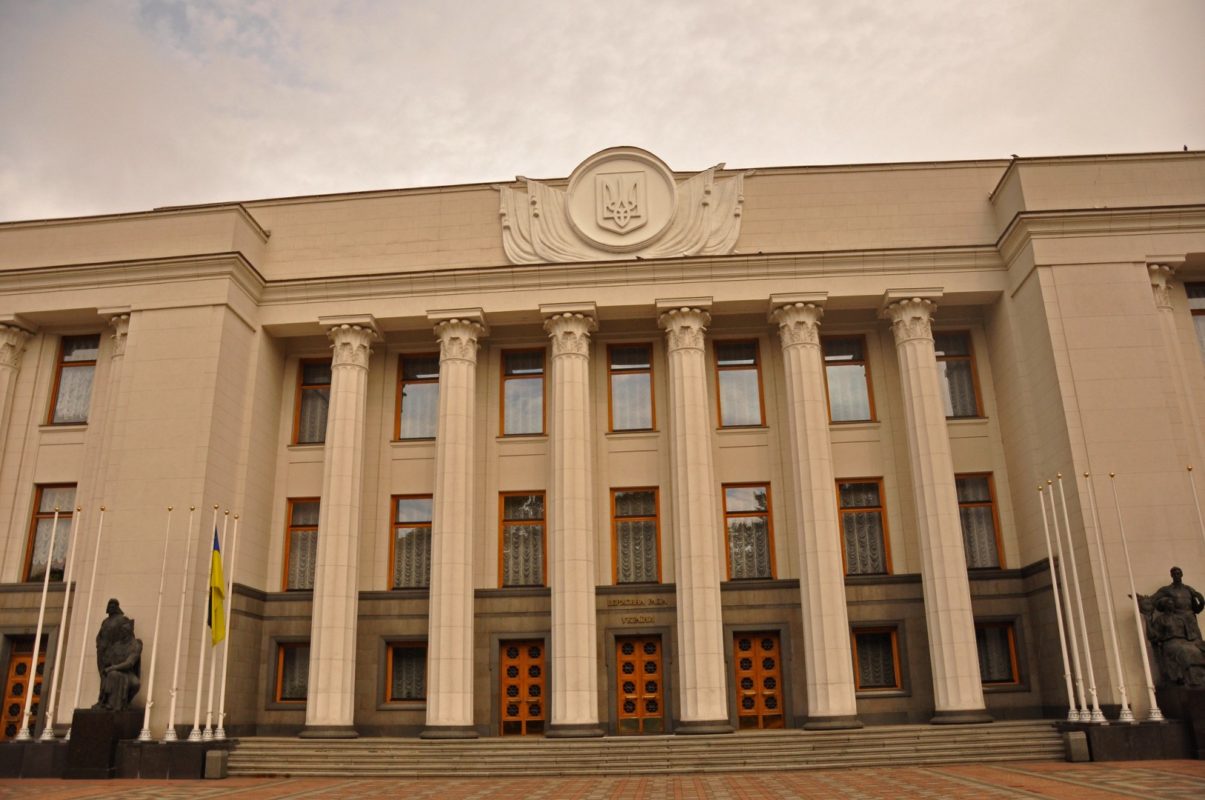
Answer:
(125, 105)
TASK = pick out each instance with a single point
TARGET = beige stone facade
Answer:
(769, 438)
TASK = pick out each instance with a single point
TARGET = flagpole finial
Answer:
(236, 516)
(192, 508)
(169, 508)
(226, 512)
(79, 508)
(1190, 467)
(1049, 482)
(1112, 474)
(56, 508)
(1058, 475)
(102, 508)
(1039, 487)
(215, 506)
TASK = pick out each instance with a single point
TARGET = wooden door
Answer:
(757, 661)
(639, 685)
(523, 687)
(17, 683)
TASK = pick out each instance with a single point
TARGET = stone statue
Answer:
(1171, 617)
(118, 659)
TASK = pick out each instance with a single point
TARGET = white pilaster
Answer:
(828, 660)
(1194, 437)
(450, 638)
(330, 703)
(702, 684)
(957, 686)
(12, 346)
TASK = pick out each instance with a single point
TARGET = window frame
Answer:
(405, 644)
(979, 414)
(281, 647)
(611, 372)
(503, 377)
(299, 391)
(34, 517)
(289, 529)
(991, 490)
(401, 388)
(882, 509)
(543, 522)
(1010, 626)
(757, 367)
(615, 533)
(894, 632)
(769, 526)
(1189, 288)
(865, 362)
(394, 525)
(60, 365)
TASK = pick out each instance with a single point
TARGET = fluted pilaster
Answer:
(1179, 378)
(12, 347)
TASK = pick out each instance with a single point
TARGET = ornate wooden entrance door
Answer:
(757, 661)
(640, 685)
(523, 684)
(18, 683)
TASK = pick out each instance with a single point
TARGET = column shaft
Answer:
(12, 346)
(1194, 437)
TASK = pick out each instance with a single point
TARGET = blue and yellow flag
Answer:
(217, 595)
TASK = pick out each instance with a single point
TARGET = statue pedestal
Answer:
(1179, 702)
(92, 751)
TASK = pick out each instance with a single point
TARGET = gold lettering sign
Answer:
(636, 602)
(637, 619)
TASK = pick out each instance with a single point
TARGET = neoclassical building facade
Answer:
(631, 452)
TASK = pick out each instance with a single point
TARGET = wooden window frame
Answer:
(35, 516)
(394, 525)
(59, 366)
(281, 647)
(615, 531)
(865, 362)
(502, 520)
(413, 644)
(974, 368)
(894, 632)
(401, 388)
(757, 366)
(652, 388)
(991, 490)
(289, 528)
(301, 386)
(882, 509)
(1011, 628)
(502, 390)
(1194, 312)
(769, 526)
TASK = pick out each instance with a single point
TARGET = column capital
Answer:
(570, 333)
(12, 345)
(798, 324)
(911, 317)
(351, 339)
(120, 323)
(458, 338)
(685, 327)
(1161, 274)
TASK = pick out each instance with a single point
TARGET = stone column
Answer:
(119, 321)
(330, 703)
(698, 537)
(827, 656)
(450, 659)
(957, 686)
(571, 530)
(12, 347)
(1180, 381)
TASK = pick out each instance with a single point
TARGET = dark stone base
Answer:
(1120, 741)
(703, 727)
(573, 732)
(162, 760)
(961, 718)
(328, 732)
(448, 732)
(12, 757)
(832, 723)
(33, 759)
(92, 752)
(1179, 702)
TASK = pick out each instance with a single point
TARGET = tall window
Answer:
(876, 654)
(73, 375)
(634, 525)
(410, 549)
(977, 510)
(301, 544)
(1196, 303)
(997, 644)
(522, 539)
(956, 368)
(46, 499)
(292, 671)
(864, 527)
(313, 400)
(417, 397)
(747, 525)
(849, 395)
(522, 392)
(630, 371)
(406, 672)
(738, 374)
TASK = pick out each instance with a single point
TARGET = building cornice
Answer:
(1100, 158)
(181, 211)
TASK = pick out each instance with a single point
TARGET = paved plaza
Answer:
(1150, 780)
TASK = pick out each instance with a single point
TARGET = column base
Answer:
(448, 732)
(328, 732)
(842, 723)
(961, 717)
(573, 732)
(703, 727)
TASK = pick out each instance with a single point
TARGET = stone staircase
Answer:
(646, 755)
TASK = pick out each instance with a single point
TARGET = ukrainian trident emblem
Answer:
(620, 205)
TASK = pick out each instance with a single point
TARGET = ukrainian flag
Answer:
(217, 594)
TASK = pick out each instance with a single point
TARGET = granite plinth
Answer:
(1188, 705)
(92, 751)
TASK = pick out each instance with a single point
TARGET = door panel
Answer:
(523, 688)
(757, 662)
(639, 685)
(16, 684)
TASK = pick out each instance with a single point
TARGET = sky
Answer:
(126, 105)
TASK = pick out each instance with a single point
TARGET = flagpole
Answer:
(207, 734)
(195, 734)
(24, 735)
(170, 734)
(1097, 714)
(1082, 714)
(1154, 714)
(1072, 711)
(83, 642)
(220, 733)
(145, 734)
(1196, 501)
(48, 727)
(1126, 714)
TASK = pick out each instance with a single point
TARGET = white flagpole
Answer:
(1072, 711)
(145, 734)
(1097, 714)
(195, 734)
(83, 642)
(55, 672)
(207, 734)
(1082, 702)
(220, 733)
(1154, 715)
(170, 734)
(1196, 501)
(1126, 714)
(24, 734)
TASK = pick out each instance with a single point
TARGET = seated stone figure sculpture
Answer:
(118, 659)
(1174, 633)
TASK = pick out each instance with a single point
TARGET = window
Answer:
(301, 544)
(956, 368)
(522, 392)
(864, 527)
(46, 499)
(406, 672)
(636, 541)
(630, 372)
(977, 510)
(747, 524)
(292, 671)
(73, 375)
(417, 397)
(522, 540)
(410, 548)
(313, 399)
(845, 371)
(1196, 303)
(738, 374)
(997, 644)
(876, 659)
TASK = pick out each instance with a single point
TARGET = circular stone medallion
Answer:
(621, 199)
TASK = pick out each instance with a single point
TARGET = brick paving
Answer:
(1149, 780)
